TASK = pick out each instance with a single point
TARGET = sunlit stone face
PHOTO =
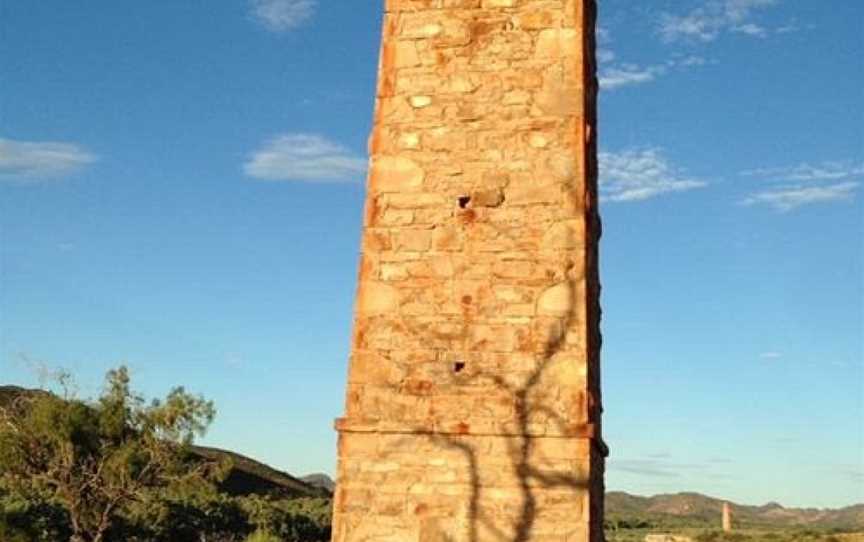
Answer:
(473, 404)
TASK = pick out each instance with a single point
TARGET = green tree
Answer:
(97, 458)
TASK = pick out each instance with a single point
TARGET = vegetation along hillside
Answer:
(252, 497)
(697, 509)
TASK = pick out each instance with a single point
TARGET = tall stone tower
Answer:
(473, 401)
(727, 518)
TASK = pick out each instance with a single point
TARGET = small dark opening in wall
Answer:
(464, 201)
(458, 367)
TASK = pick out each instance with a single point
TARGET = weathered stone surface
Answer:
(395, 173)
(473, 400)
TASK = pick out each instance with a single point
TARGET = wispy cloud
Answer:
(304, 157)
(623, 75)
(689, 60)
(770, 355)
(826, 171)
(790, 27)
(31, 160)
(852, 472)
(659, 455)
(705, 23)
(282, 15)
(713, 18)
(614, 74)
(605, 56)
(634, 175)
(805, 184)
(750, 29)
(790, 198)
(655, 467)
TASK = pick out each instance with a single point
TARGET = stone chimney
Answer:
(473, 399)
(727, 517)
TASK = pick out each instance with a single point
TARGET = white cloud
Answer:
(619, 75)
(41, 159)
(304, 157)
(613, 75)
(628, 74)
(604, 38)
(787, 28)
(770, 355)
(738, 10)
(805, 184)
(714, 17)
(602, 34)
(634, 175)
(702, 24)
(788, 198)
(660, 467)
(282, 15)
(687, 61)
(605, 56)
(750, 29)
(826, 171)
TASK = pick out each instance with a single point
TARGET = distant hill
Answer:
(700, 510)
(8, 394)
(251, 477)
(321, 480)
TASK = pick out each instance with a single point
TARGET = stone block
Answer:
(395, 174)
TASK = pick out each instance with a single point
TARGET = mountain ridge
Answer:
(695, 507)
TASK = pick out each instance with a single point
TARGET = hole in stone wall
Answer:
(464, 201)
(458, 366)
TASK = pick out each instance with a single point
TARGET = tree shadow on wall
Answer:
(531, 477)
(527, 399)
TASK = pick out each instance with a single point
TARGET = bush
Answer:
(262, 536)
(178, 518)
(296, 520)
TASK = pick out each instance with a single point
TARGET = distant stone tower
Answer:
(473, 401)
(727, 517)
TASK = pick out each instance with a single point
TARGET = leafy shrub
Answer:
(262, 536)
(295, 520)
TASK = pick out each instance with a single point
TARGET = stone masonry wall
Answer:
(473, 402)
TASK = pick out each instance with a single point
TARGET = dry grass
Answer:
(704, 535)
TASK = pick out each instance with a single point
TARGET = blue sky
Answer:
(181, 187)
